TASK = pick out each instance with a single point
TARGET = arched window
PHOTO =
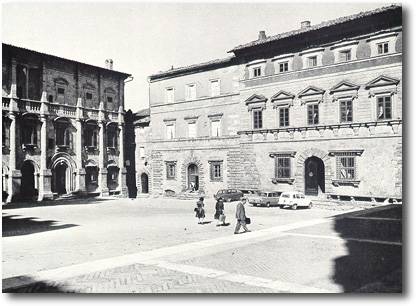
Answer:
(29, 132)
(112, 136)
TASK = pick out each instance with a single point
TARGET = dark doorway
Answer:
(193, 177)
(91, 178)
(314, 176)
(145, 183)
(60, 178)
(27, 187)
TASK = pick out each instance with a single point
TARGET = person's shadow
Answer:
(205, 222)
(225, 224)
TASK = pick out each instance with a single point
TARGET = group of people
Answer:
(219, 215)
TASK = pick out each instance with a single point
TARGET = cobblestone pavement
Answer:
(156, 246)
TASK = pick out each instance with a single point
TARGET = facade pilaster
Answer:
(45, 177)
(102, 176)
(122, 175)
(80, 175)
(14, 174)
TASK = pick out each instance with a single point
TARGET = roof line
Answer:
(321, 25)
(65, 59)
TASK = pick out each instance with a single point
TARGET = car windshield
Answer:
(262, 194)
(285, 196)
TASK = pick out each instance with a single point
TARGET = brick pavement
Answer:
(265, 261)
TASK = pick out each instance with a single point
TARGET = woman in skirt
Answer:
(200, 212)
(219, 212)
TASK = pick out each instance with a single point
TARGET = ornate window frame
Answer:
(212, 164)
(282, 99)
(277, 60)
(215, 118)
(261, 63)
(390, 38)
(283, 154)
(256, 102)
(306, 54)
(345, 46)
(383, 86)
(169, 175)
(342, 91)
(338, 154)
(169, 122)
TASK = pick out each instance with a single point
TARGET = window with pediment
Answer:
(382, 92)
(282, 102)
(344, 93)
(256, 104)
(61, 87)
(110, 96)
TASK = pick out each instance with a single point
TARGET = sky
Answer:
(145, 38)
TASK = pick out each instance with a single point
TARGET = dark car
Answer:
(229, 194)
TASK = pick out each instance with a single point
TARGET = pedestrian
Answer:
(219, 212)
(240, 215)
(200, 212)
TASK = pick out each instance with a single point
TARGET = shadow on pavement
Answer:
(78, 201)
(370, 266)
(15, 226)
(35, 287)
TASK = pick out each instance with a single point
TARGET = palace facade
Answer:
(317, 109)
(62, 127)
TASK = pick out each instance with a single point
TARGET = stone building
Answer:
(62, 126)
(317, 109)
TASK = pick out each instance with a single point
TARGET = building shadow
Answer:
(374, 260)
(15, 226)
(77, 201)
(35, 286)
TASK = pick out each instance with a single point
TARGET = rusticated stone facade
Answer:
(318, 110)
(63, 127)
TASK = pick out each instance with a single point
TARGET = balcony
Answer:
(62, 110)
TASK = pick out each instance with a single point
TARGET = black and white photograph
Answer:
(202, 148)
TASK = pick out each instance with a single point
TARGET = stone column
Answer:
(80, 177)
(14, 174)
(121, 164)
(102, 176)
(45, 178)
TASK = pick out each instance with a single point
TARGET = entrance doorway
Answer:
(314, 176)
(27, 187)
(193, 177)
(144, 179)
(61, 178)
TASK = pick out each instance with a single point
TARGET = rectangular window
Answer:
(169, 95)
(60, 95)
(192, 129)
(88, 96)
(313, 61)
(215, 128)
(141, 152)
(257, 119)
(21, 80)
(215, 88)
(346, 168)
(170, 131)
(345, 110)
(283, 167)
(283, 67)
(170, 170)
(216, 170)
(112, 138)
(256, 71)
(284, 116)
(345, 56)
(190, 92)
(62, 136)
(29, 134)
(313, 114)
(383, 48)
(384, 108)
(109, 99)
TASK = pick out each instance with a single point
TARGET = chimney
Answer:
(109, 64)
(305, 24)
(262, 35)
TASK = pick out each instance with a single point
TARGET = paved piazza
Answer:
(157, 246)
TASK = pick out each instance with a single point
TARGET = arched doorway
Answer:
(91, 178)
(112, 177)
(314, 176)
(61, 178)
(193, 177)
(27, 186)
(144, 180)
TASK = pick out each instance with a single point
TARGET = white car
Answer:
(294, 199)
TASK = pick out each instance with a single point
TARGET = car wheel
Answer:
(268, 204)
(281, 206)
(294, 206)
(254, 204)
(310, 205)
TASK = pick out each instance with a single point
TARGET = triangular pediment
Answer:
(344, 86)
(256, 99)
(382, 80)
(282, 95)
(311, 90)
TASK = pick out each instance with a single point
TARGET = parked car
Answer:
(268, 199)
(294, 199)
(228, 194)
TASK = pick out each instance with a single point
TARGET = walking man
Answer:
(240, 215)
